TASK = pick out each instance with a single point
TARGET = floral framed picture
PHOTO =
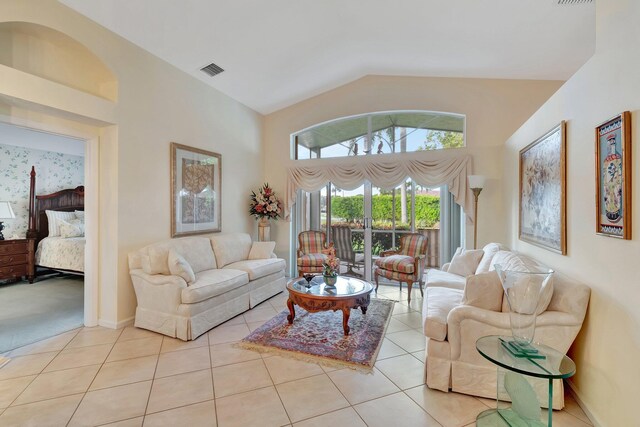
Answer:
(543, 185)
(196, 196)
(613, 177)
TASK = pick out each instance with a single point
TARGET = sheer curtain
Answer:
(450, 225)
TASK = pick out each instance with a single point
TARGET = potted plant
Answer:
(331, 267)
(265, 205)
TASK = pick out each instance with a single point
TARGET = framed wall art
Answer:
(196, 198)
(543, 184)
(613, 177)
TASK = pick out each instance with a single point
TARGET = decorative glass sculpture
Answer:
(522, 290)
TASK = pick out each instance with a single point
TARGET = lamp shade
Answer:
(476, 181)
(5, 211)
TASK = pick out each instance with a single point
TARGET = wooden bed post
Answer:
(32, 232)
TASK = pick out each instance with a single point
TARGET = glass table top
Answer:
(555, 365)
(345, 286)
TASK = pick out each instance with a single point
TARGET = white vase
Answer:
(264, 230)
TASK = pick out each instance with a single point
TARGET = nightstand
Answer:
(17, 259)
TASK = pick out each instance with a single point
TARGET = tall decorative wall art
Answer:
(613, 177)
(196, 185)
(542, 220)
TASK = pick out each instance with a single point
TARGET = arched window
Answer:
(380, 133)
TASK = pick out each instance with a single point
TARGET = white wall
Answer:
(156, 104)
(607, 351)
(494, 109)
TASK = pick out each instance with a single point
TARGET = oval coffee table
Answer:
(348, 293)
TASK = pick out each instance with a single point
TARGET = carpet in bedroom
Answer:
(29, 313)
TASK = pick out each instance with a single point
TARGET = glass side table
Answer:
(525, 408)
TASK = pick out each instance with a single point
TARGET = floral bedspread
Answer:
(61, 253)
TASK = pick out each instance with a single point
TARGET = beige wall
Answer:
(157, 104)
(607, 351)
(494, 109)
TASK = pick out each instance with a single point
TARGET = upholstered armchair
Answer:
(405, 264)
(312, 248)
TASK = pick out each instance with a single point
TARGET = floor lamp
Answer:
(476, 183)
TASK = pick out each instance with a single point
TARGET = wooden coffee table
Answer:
(348, 293)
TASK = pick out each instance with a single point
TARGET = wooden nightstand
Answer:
(16, 259)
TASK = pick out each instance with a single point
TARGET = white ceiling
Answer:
(278, 52)
(23, 137)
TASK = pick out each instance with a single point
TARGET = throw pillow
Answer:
(73, 228)
(261, 250)
(178, 266)
(483, 290)
(52, 219)
(465, 262)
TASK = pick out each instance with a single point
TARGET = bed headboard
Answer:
(68, 200)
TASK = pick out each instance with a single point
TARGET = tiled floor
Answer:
(132, 377)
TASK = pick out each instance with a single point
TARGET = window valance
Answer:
(386, 174)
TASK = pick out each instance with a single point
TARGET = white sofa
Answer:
(452, 329)
(226, 283)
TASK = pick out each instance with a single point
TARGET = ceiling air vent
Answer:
(212, 69)
(574, 1)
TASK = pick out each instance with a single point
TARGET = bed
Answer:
(65, 254)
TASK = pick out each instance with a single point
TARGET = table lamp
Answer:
(476, 183)
(5, 213)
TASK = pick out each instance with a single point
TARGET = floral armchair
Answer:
(312, 252)
(405, 264)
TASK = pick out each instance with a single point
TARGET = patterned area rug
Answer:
(319, 338)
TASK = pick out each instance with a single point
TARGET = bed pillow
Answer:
(53, 217)
(465, 262)
(178, 266)
(261, 250)
(73, 228)
(483, 290)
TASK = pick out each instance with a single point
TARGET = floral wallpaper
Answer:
(54, 172)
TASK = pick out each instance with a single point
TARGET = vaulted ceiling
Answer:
(278, 52)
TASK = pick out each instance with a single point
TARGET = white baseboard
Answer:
(116, 325)
(585, 409)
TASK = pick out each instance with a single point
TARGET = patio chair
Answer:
(405, 264)
(311, 247)
(341, 239)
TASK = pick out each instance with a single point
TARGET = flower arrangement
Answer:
(332, 264)
(265, 204)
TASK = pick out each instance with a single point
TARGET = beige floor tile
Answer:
(572, 407)
(226, 354)
(565, 419)
(198, 415)
(254, 325)
(396, 326)
(135, 348)
(180, 390)
(57, 384)
(259, 408)
(405, 371)
(343, 417)
(412, 319)
(395, 410)
(415, 304)
(489, 403)
(174, 344)
(410, 341)
(56, 343)
(179, 362)
(112, 404)
(238, 320)
(125, 372)
(259, 314)
(420, 355)
(284, 369)
(26, 365)
(223, 334)
(10, 389)
(400, 309)
(77, 357)
(133, 333)
(359, 387)
(328, 369)
(131, 422)
(298, 395)
(389, 349)
(240, 377)
(94, 336)
(449, 409)
(48, 413)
